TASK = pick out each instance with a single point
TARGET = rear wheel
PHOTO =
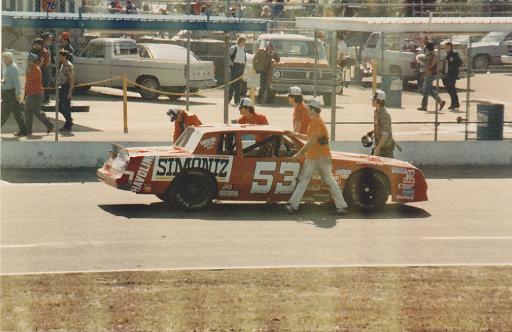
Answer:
(193, 190)
(481, 62)
(367, 190)
(152, 85)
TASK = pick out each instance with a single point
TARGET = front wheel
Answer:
(150, 86)
(367, 190)
(193, 190)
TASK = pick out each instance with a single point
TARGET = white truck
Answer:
(106, 58)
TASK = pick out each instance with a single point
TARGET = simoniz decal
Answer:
(166, 168)
(142, 173)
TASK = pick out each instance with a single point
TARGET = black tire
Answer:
(366, 190)
(193, 190)
(327, 99)
(481, 62)
(151, 83)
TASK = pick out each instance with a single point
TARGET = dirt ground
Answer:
(327, 299)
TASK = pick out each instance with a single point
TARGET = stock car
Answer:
(253, 163)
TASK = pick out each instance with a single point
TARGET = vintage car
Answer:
(297, 66)
(253, 163)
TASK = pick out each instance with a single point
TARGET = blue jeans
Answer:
(428, 90)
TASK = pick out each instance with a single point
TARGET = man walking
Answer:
(301, 119)
(452, 63)
(11, 93)
(429, 75)
(262, 64)
(238, 59)
(34, 96)
(318, 159)
(46, 67)
(381, 133)
(66, 82)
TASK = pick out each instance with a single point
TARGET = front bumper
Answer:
(282, 88)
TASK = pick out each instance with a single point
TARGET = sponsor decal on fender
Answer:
(407, 194)
(209, 143)
(228, 193)
(399, 170)
(343, 173)
(142, 173)
(166, 168)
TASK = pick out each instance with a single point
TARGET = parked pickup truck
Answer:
(490, 48)
(297, 66)
(399, 59)
(105, 58)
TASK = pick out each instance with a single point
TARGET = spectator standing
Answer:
(182, 120)
(130, 7)
(34, 95)
(381, 133)
(342, 50)
(265, 12)
(46, 67)
(277, 8)
(452, 63)
(11, 93)
(248, 114)
(301, 119)
(238, 59)
(65, 43)
(38, 49)
(262, 64)
(318, 159)
(66, 82)
(429, 72)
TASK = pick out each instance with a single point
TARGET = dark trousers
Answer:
(47, 82)
(65, 105)
(449, 83)
(33, 108)
(11, 105)
(236, 88)
(263, 91)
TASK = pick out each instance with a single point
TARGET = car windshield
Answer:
(189, 139)
(494, 37)
(297, 48)
(171, 52)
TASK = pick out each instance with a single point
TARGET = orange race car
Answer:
(253, 163)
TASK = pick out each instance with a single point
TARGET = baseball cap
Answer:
(379, 95)
(46, 35)
(173, 114)
(246, 102)
(315, 104)
(294, 91)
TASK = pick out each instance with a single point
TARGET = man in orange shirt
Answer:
(249, 115)
(301, 117)
(182, 119)
(318, 159)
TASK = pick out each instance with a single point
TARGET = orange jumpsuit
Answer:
(184, 120)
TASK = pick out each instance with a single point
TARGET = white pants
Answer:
(324, 167)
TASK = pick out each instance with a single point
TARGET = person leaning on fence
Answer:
(34, 95)
(46, 67)
(262, 64)
(429, 75)
(11, 93)
(238, 59)
(66, 82)
(451, 65)
(248, 114)
(318, 159)
(382, 133)
(182, 120)
(301, 118)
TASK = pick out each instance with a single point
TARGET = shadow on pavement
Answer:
(465, 172)
(314, 214)
(56, 175)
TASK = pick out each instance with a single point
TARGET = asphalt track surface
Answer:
(87, 226)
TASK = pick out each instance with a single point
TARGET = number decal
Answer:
(258, 188)
(263, 182)
(290, 180)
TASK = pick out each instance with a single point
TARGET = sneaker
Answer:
(290, 208)
(441, 105)
(421, 108)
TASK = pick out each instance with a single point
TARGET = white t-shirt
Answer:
(240, 56)
(342, 48)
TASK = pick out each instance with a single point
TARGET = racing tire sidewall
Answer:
(193, 190)
(366, 190)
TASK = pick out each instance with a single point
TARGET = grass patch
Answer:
(335, 299)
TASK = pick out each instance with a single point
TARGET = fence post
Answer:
(374, 75)
(125, 104)
(187, 88)
(226, 78)
(469, 66)
(315, 81)
(334, 66)
(57, 78)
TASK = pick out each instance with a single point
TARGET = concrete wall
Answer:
(15, 154)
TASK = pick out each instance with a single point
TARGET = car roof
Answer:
(283, 36)
(112, 40)
(168, 46)
(237, 128)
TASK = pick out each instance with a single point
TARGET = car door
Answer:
(93, 66)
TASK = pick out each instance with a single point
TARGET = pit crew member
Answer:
(182, 119)
(301, 117)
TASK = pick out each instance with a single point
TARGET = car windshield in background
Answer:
(171, 52)
(125, 49)
(298, 48)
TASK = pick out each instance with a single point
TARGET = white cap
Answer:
(294, 91)
(379, 95)
(246, 102)
(315, 103)
(8, 55)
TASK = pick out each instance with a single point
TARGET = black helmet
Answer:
(367, 141)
